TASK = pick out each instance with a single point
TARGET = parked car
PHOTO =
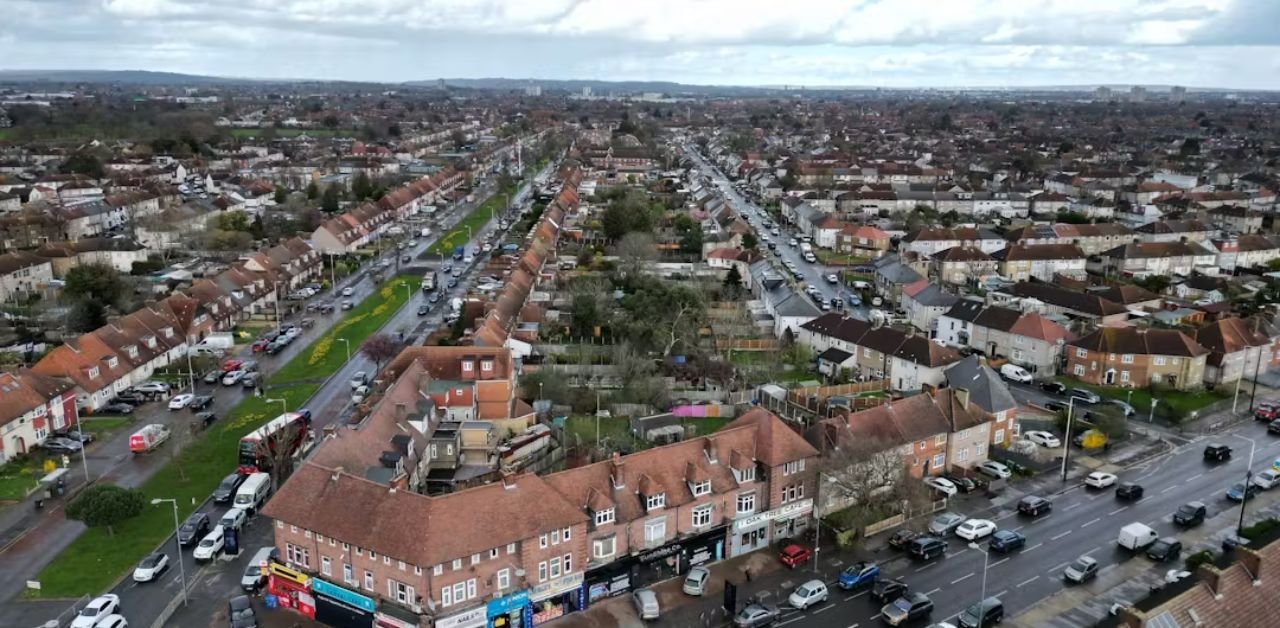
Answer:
(859, 575)
(84, 438)
(927, 548)
(151, 567)
(1034, 505)
(115, 408)
(232, 378)
(233, 519)
(809, 594)
(179, 402)
(888, 589)
(1124, 407)
(129, 398)
(1083, 569)
(96, 610)
(1240, 491)
(240, 612)
(902, 538)
(348, 291)
(424, 310)
(1190, 514)
(1044, 439)
(62, 445)
(227, 488)
(1053, 388)
(756, 615)
(941, 485)
(995, 469)
(1005, 541)
(988, 612)
(695, 582)
(194, 528)
(1165, 549)
(646, 602)
(210, 546)
(200, 402)
(795, 555)
(1055, 406)
(1130, 491)
(962, 483)
(906, 609)
(946, 523)
(114, 620)
(1085, 395)
(975, 529)
(1100, 480)
(157, 388)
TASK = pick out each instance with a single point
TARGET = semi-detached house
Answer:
(1020, 262)
(908, 360)
(34, 407)
(1027, 339)
(1144, 259)
(1133, 357)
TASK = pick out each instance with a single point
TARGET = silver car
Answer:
(946, 523)
(695, 582)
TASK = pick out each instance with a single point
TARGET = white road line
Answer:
(998, 562)
(1069, 507)
(1016, 529)
(850, 597)
(824, 608)
(933, 591)
(1028, 581)
(1058, 566)
(853, 625)
(1194, 477)
(962, 578)
(1118, 511)
(1032, 547)
(925, 567)
(1001, 594)
(957, 553)
(1090, 522)
(1054, 538)
(1169, 488)
(792, 620)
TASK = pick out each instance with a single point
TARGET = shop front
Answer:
(609, 580)
(556, 598)
(511, 611)
(342, 608)
(754, 532)
(473, 618)
(291, 589)
(677, 557)
(391, 616)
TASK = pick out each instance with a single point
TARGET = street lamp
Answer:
(284, 405)
(986, 563)
(348, 343)
(1248, 477)
(817, 518)
(182, 568)
(1066, 441)
(1151, 418)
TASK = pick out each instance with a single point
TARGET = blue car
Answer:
(859, 575)
(1005, 541)
(1241, 491)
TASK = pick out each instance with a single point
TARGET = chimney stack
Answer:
(402, 411)
(1252, 562)
(1212, 578)
(962, 397)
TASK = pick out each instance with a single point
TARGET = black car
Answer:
(1165, 549)
(227, 488)
(1217, 452)
(1034, 505)
(1005, 541)
(423, 310)
(1190, 514)
(1053, 388)
(902, 538)
(240, 612)
(116, 408)
(887, 589)
(200, 402)
(276, 347)
(129, 398)
(964, 484)
(927, 547)
(453, 282)
(988, 612)
(1274, 427)
(193, 529)
(1129, 491)
(206, 418)
(76, 435)
(1055, 406)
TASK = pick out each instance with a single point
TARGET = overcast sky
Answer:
(890, 43)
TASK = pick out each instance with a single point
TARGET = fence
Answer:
(747, 344)
(803, 394)
(881, 526)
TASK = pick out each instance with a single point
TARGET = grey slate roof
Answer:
(985, 387)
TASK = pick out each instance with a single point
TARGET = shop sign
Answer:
(616, 585)
(661, 553)
(786, 512)
(351, 598)
(559, 585)
(292, 575)
(505, 605)
(473, 618)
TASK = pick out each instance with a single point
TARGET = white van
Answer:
(253, 493)
(1136, 536)
(1015, 373)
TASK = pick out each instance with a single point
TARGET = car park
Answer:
(1034, 505)
(756, 615)
(927, 547)
(888, 589)
(795, 555)
(179, 402)
(808, 594)
(1044, 439)
(859, 575)
(151, 567)
(1165, 549)
(1100, 480)
(995, 469)
(96, 610)
(194, 528)
(1005, 541)
(906, 609)
(1130, 491)
(941, 485)
(1080, 571)
(695, 582)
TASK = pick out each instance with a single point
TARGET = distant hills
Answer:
(130, 77)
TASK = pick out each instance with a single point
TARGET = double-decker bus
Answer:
(289, 432)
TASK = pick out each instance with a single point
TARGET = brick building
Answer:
(1131, 357)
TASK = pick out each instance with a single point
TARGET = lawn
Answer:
(17, 478)
(327, 354)
(100, 426)
(617, 430)
(95, 560)
(1181, 402)
(475, 220)
(831, 258)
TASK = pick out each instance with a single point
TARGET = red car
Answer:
(232, 365)
(1266, 411)
(795, 555)
(260, 345)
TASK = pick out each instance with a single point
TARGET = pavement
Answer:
(38, 537)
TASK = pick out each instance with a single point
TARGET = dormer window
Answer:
(604, 516)
(700, 488)
(132, 350)
(93, 372)
(468, 367)
(151, 342)
(168, 332)
(655, 501)
(112, 362)
(486, 365)
(745, 475)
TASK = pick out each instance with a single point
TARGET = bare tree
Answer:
(861, 472)
(635, 250)
(380, 348)
(277, 452)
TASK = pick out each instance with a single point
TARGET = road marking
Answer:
(933, 591)
(1069, 507)
(1118, 511)
(793, 619)
(1054, 538)
(1001, 594)
(850, 597)
(958, 553)
(1028, 581)
(925, 567)
(999, 562)
(1016, 529)
(962, 578)
(1169, 488)
(1194, 477)
(854, 625)
(1090, 522)
(1032, 547)
(1058, 566)
(824, 608)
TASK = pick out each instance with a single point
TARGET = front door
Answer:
(1110, 377)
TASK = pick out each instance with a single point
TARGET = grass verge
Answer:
(95, 560)
(99, 426)
(457, 236)
(1176, 403)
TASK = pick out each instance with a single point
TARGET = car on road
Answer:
(858, 575)
(151, 567)
(240, 612)
(233, 519)
(946, 523)
(756, 615)
(227, 488)
(1056, 406)
(361, 378)
(348, 291)
(200, 402)
(346, 305)
(1216, 452)
(903, 538)
(795, 555)
(1085, 395)
(179, 402)
(906, 609)
(976, 529)
(927, 548)
(424, 310)
(1005, 541)
(1124, 407)
(888, 589)
(113, 620)
(1083, 569)
(1034, 505)
(941, 485)
(1240, 491)
(1098, 479)
(210, 545)
(646, 602)
(62, 445)
(695, 582)
(96, 610)
(1267, 479)
(1190, 514)
(232, 378)
(808, 594)
(1165, 550)
(194, 528)
(832, 278)
(1131, 491)
(995, 469)
(115, 408)
(1043, 438)
(1053, 388)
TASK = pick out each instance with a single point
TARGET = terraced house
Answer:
(1020, 262)
(908, 360)
(1092, 239)
(1143, 259)
(1134, 357)
(1027, 339)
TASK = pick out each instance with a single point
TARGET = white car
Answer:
(1043, 439)
(995, 470)
(112, 621)
(1098, 479)
(152, 387)
(151, 567)
(1266, 479)
(942, 485)
(210, 545)
(180, 401)
(975, 529)
(233, 519)
(808, 594)
(833, 279)
(98, 609)
(348, 291)
(231, 378)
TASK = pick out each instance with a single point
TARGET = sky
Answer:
(878, 43)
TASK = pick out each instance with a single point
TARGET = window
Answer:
(1078, 370)
(940, 439)
(1124, 376)
(504, 579)
(999, 436)
(792, 493)
(493, 553)
(475, 559)
(564, 534)
(373, 555)
(1081, 353)
(324, 565)
(293, 529)
(655, 530)
(457, 564)
(604, 548)
(297, 555)
(93, 372)
(555, 537)
(400, 591)
(702, 516)
(542, 541)
(794, 466)
(279, 525)
(604, 516)
(542, 571)
(555, 567)
(923, 444)
(939, 460)
(568, 563)
(511, 548)
(331, 543)
(746, 503)
(386, 560)
(400, 565)
(368, 580)
(745, 475)
(1158, 360)
(979, 449)
(655, 501)
(701, 488)
(460, 591)
(1127, 358)
(438, 570)
(112, 362)
(417, 571)
(345, 547)
(962, 455)
(347, 576)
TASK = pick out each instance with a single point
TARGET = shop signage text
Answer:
(342, 595)
(559, 585)
(785, 512)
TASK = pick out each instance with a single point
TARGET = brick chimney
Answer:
(616, 471)
(402, 411)
(1212, 578)
(1251, 561)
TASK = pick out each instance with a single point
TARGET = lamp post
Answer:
(1248, 477)
(284, 405)
(986, 563)
(348, 343)
(84, 458)
(1066, 441)
(182, 568)
(1151, 417)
